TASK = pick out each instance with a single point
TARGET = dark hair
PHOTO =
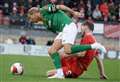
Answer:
(89, 24)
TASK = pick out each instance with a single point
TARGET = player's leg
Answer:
(51, 72)
(70, 69)
(57, 74)
(68, 48)
(53, 52)
(100, 67)
(68, 39)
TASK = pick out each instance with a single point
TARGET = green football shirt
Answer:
(55, 21)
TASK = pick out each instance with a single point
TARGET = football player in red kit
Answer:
(74, 65)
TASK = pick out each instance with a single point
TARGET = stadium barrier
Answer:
(18, 49)
(41, 50)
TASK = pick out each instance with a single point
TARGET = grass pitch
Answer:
(36, 67)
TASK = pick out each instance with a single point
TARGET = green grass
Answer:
(36, 67)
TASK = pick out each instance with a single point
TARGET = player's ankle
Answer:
(60, 72)
(103, 77)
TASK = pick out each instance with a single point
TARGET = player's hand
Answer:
(77, 14)
(33, 9)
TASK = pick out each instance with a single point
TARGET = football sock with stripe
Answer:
(80, 48)
(56, 60)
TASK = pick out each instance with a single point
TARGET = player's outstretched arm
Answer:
(61, 7)
(65, 8)
(53, 8)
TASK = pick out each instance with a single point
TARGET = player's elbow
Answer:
(67, 50)
(51, 50)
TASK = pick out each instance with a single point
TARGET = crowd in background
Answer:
(98, 10)
(14, 11)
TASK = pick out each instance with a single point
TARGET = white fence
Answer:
(41, 50)
(18, 49)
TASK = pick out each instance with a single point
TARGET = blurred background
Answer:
(16, 29)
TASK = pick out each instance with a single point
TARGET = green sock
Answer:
(79, 48)
(56, 60)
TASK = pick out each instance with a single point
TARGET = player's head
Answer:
(87, 26)
(34, 15)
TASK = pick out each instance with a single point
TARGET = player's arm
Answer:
(53, 8)
(65, 8)
(100, 67)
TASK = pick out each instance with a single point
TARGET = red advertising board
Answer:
(112, 30)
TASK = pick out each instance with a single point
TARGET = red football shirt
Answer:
(87, 59)
(78, 64)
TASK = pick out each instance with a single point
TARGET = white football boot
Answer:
(99, 46)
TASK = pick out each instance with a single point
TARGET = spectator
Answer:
(2, 3)
(30, 2)
(1, 17)
(1, 13)
(62, 2)
(82, 13)
(23, 39)
(117, 1)
(119, 13)
(15, 5)
(104, 10)
(89, 9)
(31, 41)
(21, 9)
(94, 3)
(6, 8)
(97, 14)
(49, 42)
(113, 13)
(6, 20)
(14, 16)
(22, 16)
(81, 4)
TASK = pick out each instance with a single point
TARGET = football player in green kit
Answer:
(57, 21)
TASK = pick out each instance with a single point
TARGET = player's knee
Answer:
(67, 51)
(51, 51)
(67, 48)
